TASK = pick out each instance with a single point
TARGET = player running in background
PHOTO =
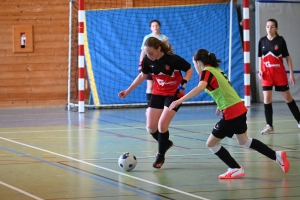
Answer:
(165, 68)
(155, 28)
(215, 82)
(272, 49)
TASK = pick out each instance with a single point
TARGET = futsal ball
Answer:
(127, 161)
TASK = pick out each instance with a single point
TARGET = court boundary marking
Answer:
(19, 190)
(110, 170)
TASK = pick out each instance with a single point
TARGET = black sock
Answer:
(263, 149)
(148, 97)
(295, 110)
(163, 142)
(155, 135)
(269, 113)
(225, 156)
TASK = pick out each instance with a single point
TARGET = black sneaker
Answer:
(160, 159)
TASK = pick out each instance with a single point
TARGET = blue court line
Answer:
(295, 71)
(83, 174)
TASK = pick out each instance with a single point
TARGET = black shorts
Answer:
(149, 77)
(278, 88)
(158, 101)
(227, 128)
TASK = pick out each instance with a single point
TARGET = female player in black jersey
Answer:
(165, 68)
(155, 28)
(272, 49)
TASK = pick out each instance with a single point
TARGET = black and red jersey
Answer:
(213, 84)
(277, 47)
(272, 53)
(166, 73)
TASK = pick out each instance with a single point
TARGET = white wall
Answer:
(288, 18)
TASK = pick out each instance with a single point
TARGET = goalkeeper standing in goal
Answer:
(168, 85)
(155, 28)
(215, 82)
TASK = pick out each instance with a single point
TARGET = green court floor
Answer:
(55, 154)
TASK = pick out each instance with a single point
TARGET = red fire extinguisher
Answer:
(23, 40)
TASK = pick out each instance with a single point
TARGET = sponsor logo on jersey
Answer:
(270, 60)
(162, 82)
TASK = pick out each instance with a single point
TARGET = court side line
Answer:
(19, 190)
(110, 170)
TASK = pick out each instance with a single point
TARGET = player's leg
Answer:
(149, 88)
(267, 92)
(163, 126)
(222, 129)
(155, 109)
(290, 102)
(278, 156)
(234, 170)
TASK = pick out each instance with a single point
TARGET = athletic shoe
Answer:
(283, 161)
(170, 145)
(160, 159)
(299, 125)
(233, 173)
(267, 130)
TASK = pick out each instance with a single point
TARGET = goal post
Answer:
(114, 31)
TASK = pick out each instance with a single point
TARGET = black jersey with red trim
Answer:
(166, 73)
(272, 52)
(212, 84)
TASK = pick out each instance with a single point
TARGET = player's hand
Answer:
(260, 74)
(218, 111)
(123, 94)
(174, 104)
(292, 79)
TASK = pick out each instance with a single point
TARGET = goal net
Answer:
(114, 31)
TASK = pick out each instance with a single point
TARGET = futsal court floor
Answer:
(55, 154)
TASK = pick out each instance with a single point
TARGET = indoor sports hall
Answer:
(63, 128)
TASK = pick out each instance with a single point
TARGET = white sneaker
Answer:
(282, 160)
(267, 130)
(233, 173)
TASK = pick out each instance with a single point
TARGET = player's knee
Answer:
(215, 148)
(248, 143)
(149, 130)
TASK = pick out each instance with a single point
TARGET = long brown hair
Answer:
(155, 43)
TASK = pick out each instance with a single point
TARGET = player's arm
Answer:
(137, 81)
(188, 74)
(290, 64)
(195, 91)
(260, 73)
(142, 55)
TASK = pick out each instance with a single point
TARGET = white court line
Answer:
(97, 166)
(21, 191)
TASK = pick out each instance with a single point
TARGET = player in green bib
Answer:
(234, 120)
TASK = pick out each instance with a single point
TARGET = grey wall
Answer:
(288, 17)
